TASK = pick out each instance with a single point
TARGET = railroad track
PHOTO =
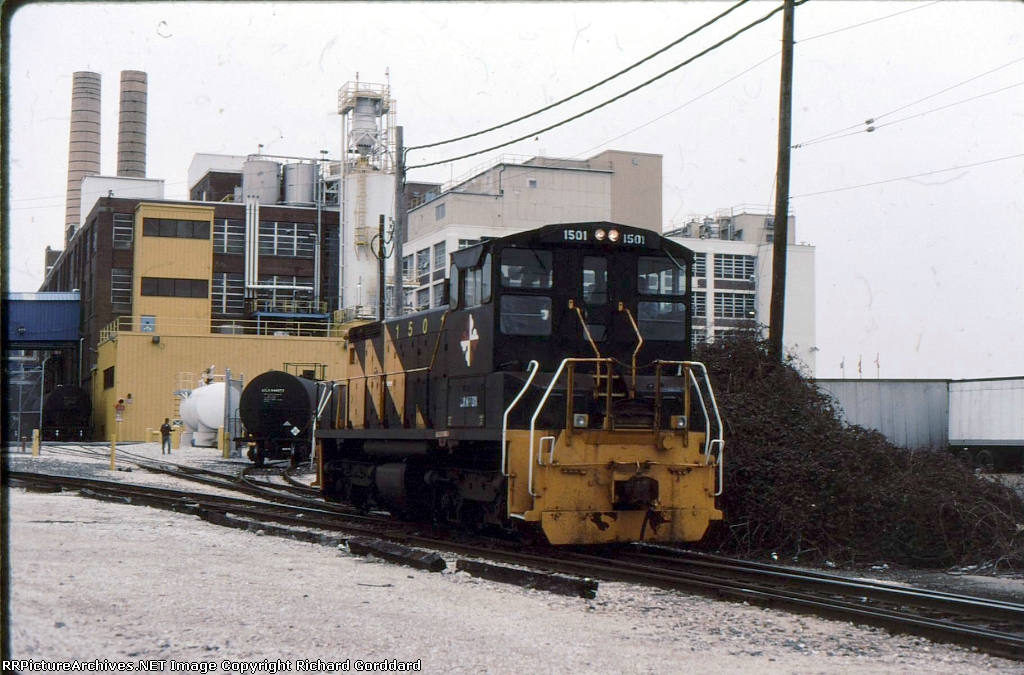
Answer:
(995, 627)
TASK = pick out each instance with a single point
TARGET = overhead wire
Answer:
(588, 89)
(611, 100)
(917, 175)
(872, 120)
(858, 25)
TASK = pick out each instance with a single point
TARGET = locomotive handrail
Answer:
(709, 442)
(639, 344)
(532, 369)
(543, 401)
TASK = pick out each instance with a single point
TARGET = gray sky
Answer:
(927, 272)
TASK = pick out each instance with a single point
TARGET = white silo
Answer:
(261, 178)
(367, 190)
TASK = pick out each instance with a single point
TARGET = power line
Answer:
(611, 100)
(588, 89)
(917, 175)
(871, 128)
(903, 107)
(881, 18)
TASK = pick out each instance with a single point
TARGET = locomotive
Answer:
(278, 411)
(553, 395)
(66, 413)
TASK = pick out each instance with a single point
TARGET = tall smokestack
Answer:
(131, 134)
(84, 150)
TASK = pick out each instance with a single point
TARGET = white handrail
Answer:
(532, 369)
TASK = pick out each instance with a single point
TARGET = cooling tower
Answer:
(131, 131)
(84, 150)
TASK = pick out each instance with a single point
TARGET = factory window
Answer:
(729, 266)
(466, 243)
(423, 264)
(734, 305)
(439, 211)
(407, 274)
(177, 229)
(699, 335)
(174, 288)
(108, 378)
(422, 299)
(124, 230)
(289, 240)
(407, 295)
(700, 265)
(439, 257)
(700, 303)
(439, 294)
(660, 276)
(289, 294)
(526, 268)
(229, 236)
(525, 315)
(662, 320)
(595, 280)
(121, 285)
(227, 294)
(532, 183)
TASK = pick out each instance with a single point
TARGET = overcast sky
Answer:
(927, 272)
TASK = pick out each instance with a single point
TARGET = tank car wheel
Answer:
(986, 461)
(259, 458)
(293, 459)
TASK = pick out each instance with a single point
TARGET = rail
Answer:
(195, 327)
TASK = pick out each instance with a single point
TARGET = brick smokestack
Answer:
(131, 133)
(84, 148)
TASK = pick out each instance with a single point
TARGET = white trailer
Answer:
(986, 422)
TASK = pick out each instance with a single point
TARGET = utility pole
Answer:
(400, 216)
(382, 257)
(781, 224)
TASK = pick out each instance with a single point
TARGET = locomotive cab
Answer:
(554, 391)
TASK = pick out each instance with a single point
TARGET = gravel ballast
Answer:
(93, 581)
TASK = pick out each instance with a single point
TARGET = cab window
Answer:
(660, 276)
(526, 268)
(662, 320)
(525, 315)
(595, 280)
(476, 284)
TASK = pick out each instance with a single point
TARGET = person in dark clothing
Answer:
(165, 436)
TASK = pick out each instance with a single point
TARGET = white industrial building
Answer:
(733, 277)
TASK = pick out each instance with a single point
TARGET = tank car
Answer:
(66, 413)
(277, 410)
(553, 395)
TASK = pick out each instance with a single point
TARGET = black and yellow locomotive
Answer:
(554, 392)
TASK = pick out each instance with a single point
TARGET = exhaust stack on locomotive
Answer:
(554, 393)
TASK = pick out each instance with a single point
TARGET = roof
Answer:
(42, 296)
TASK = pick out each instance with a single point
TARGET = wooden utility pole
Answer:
(400, 216)
(382, 277)
(781, 223)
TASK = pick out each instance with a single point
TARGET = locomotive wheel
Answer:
(294, 458)
(258, 459)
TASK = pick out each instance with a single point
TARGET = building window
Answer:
(177, 229)
(407, 274)
(120, 285)
(164, 287)
(700, 304)
(439, 256)
(423, 264)
(700, 265)
(285, 299)
(227, 294)
(287, 240)
(229, 236)
(407, 298)
(438, 294)
(108, 378)
(466, 243)
(422, 299)
(730, 266)
(532, 182)
(124, 230)
(699, 335)
(439, 211)
(734, 305)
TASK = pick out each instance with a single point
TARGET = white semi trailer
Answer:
(986, 422)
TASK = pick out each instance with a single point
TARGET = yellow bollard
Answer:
(175, 438)
(222, 443)
(113, 450)
(35, 442)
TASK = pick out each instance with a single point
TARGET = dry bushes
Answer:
(801, 484)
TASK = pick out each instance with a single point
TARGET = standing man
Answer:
(165, 436)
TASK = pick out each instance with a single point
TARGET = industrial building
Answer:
(733, 277)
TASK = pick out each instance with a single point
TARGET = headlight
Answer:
(600, 235)
(678, 421)
(581, 420)
(613, 235)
